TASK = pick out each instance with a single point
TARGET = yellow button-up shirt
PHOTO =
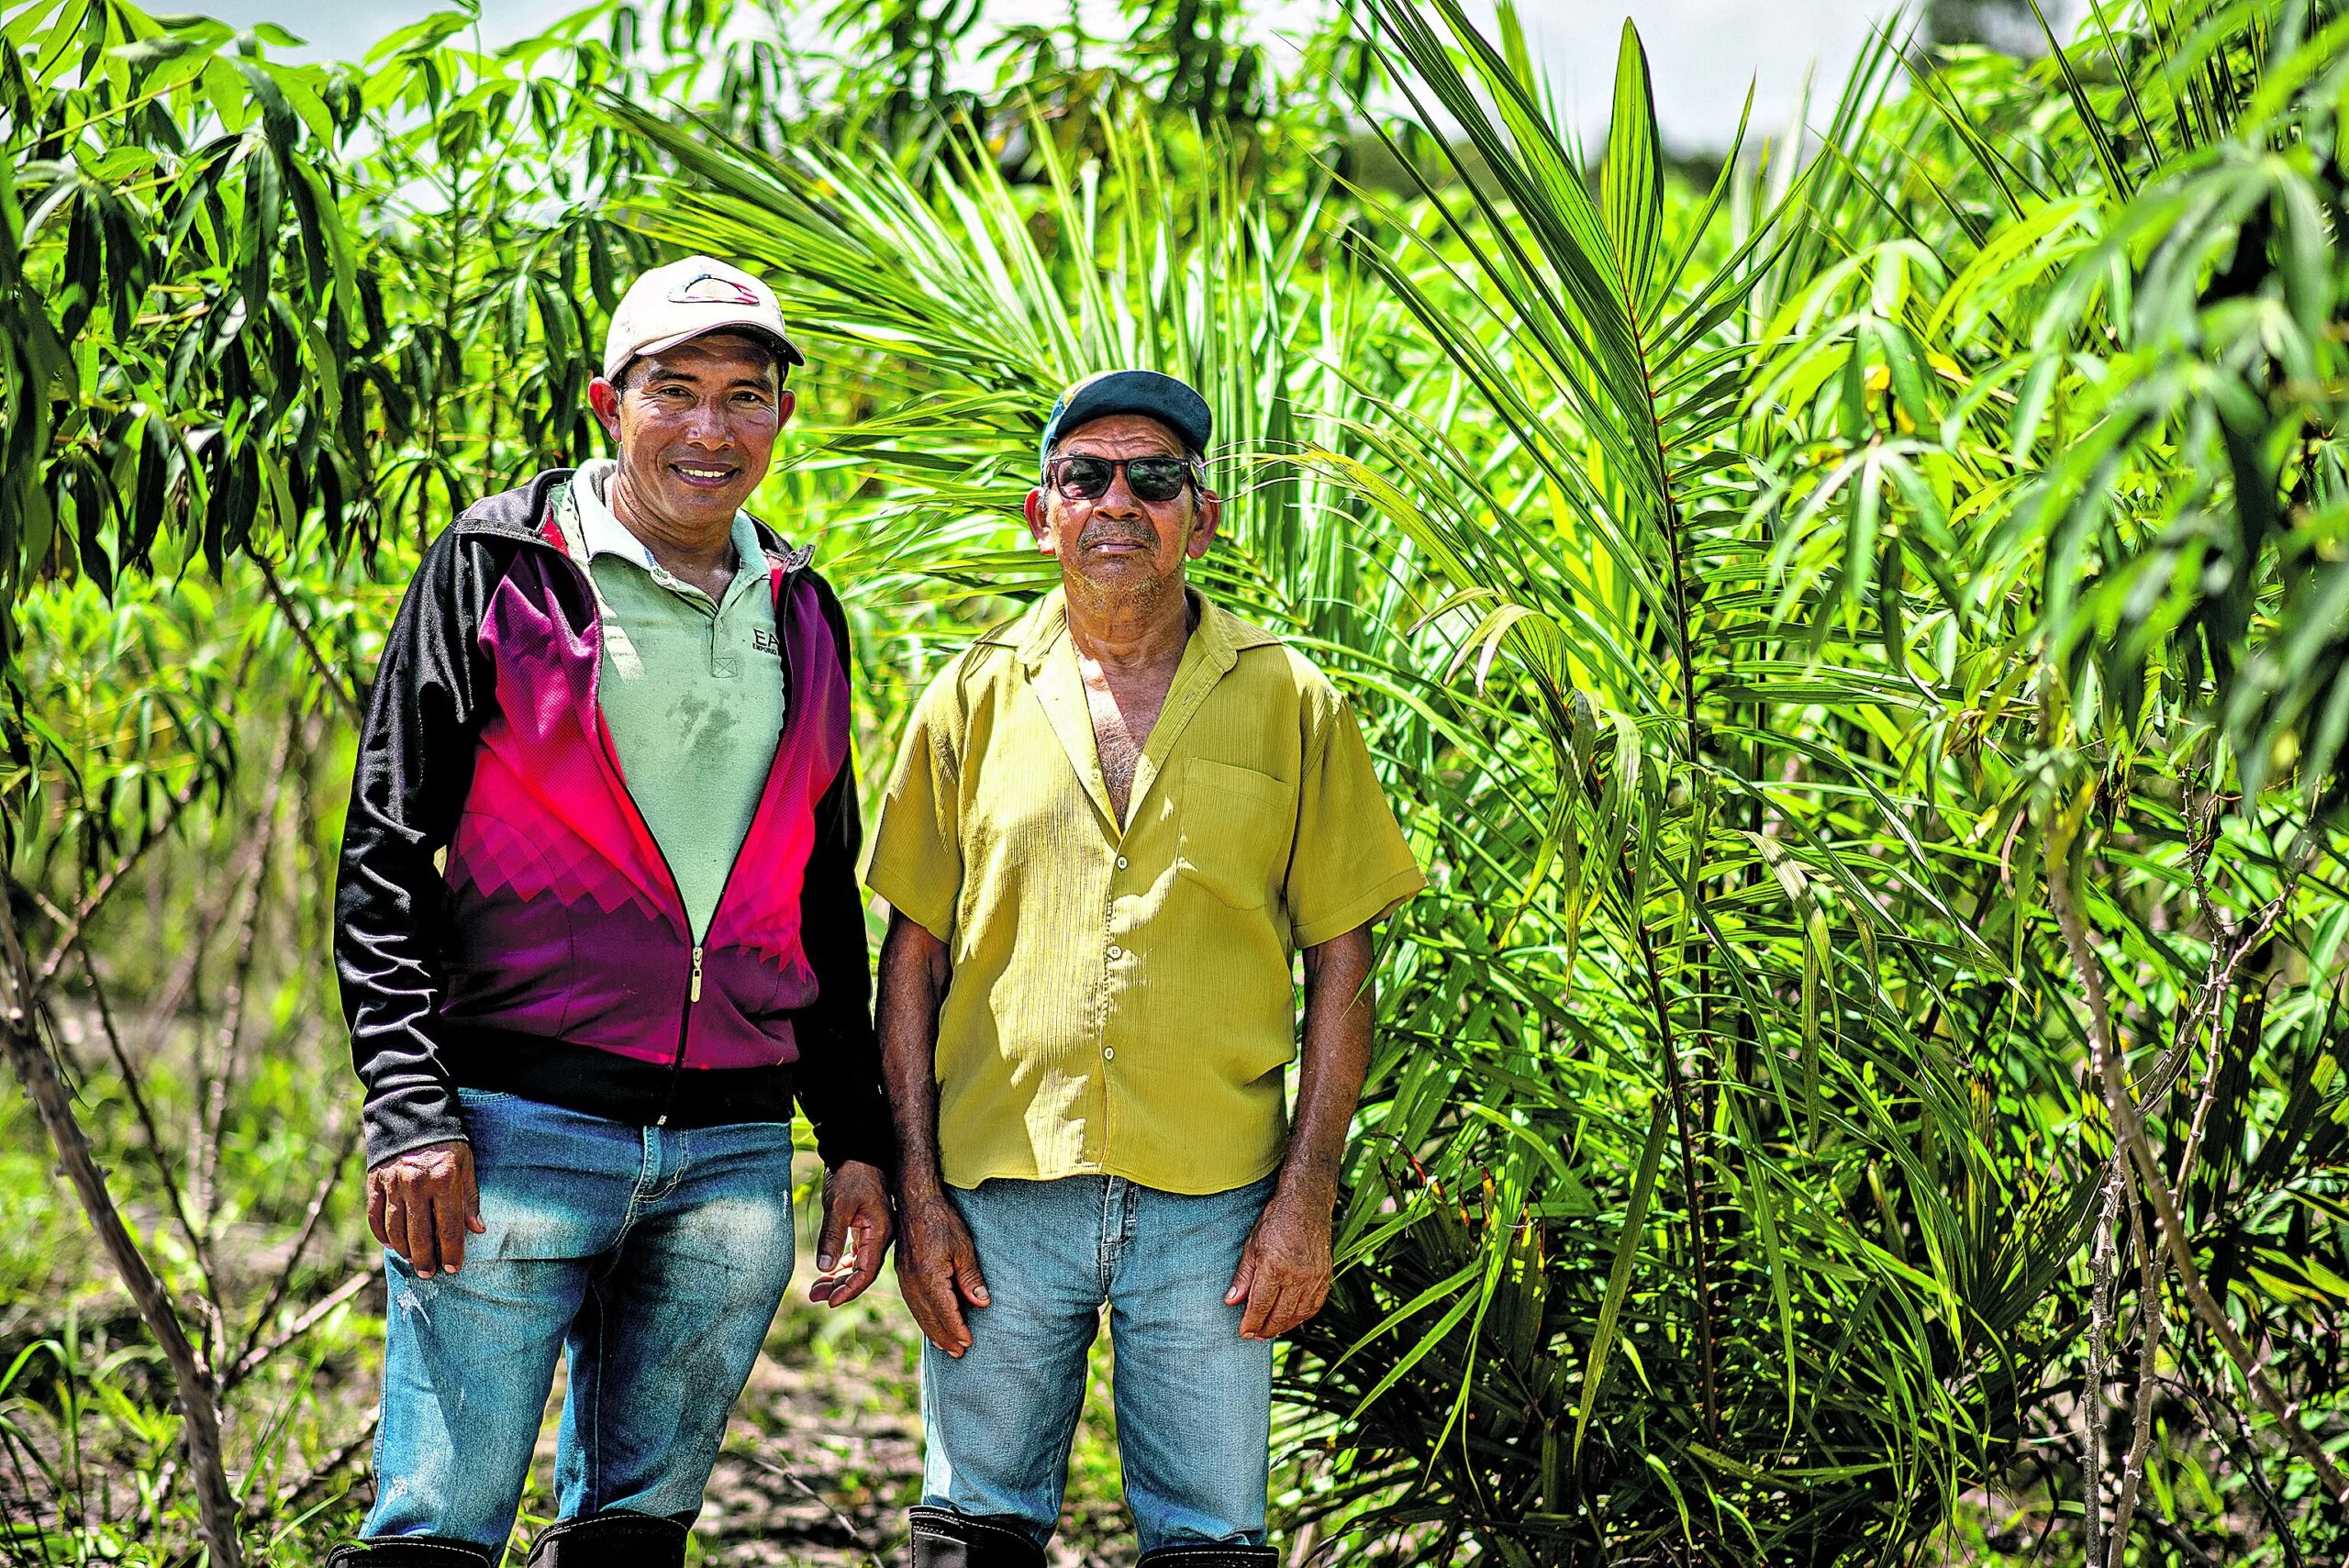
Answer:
(1121, 1001)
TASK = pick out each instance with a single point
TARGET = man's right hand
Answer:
(938, 1270)
(421, 1205)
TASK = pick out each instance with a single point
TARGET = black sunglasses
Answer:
(1150, 478)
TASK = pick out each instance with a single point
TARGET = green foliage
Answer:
(178, 294)
(2196, 528)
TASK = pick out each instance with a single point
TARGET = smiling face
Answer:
(696, 426)
(1118, 543)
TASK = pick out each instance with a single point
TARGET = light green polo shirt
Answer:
(692, 690)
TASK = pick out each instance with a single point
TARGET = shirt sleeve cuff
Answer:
(1374, 903)
(932, 914)
(399, 1120)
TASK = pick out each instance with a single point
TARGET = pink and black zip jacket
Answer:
(551, 956)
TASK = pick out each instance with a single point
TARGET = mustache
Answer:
(1107, 533)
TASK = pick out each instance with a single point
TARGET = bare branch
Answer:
(212, 1101)
(300, 1492)
(327, 676)
(134, 1090)
(28, 1054)
(825, 1503)
(78, 921)
(2099, 1349)
(2129, 1130)
(204, 921)
(326, 1185)
(2140, 1433)
(2224, 1423)
(2179, 1541)
(252, 1361)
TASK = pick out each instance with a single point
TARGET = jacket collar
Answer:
(518, 512)
(524, 511)
(601, 532)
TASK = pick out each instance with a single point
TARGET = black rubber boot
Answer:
(944, 1538)
(620, 1539)
(408, 1551)
(1209, 1555)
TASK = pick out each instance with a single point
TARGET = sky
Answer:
(1702, 54)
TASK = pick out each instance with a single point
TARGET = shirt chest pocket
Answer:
(1236, 827)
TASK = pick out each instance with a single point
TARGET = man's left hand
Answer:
(856, 1213)
(1284, 1274)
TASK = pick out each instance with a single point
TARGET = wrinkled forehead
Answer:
(713, 356)
(1119, 435)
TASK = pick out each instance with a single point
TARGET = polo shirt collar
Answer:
(599, 529)
(603, 534)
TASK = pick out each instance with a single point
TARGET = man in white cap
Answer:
(598, 930)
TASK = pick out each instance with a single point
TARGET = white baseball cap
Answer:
(672, 304)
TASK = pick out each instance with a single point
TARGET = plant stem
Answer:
(1675, 1086)
(327, 1183)
(2140, 1433)
(300, 1491)
(212, 1103)
(28, 1055)
(2128, 1132)
(96, 899)
(134, 1089)
(2092, 1406)
(253, 1360)
(336, 686)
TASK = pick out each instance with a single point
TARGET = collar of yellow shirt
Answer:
(1215, 646)
(1123, 1004)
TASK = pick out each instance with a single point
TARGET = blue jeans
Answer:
(654, 1257)
(1193, 1399)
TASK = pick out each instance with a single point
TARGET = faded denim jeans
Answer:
(653, 1257)
(1193, 1399)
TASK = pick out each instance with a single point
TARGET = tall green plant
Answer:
(2116, 465)
(182, 312)
(1797, 1322)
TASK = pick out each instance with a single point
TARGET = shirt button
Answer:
(1121, 862)
(1117, 951)
(1109, 1053)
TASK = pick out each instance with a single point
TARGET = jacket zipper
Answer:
(693, 986)
(693, 978)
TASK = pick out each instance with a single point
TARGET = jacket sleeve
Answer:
(408, 784)
(839, 1078)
